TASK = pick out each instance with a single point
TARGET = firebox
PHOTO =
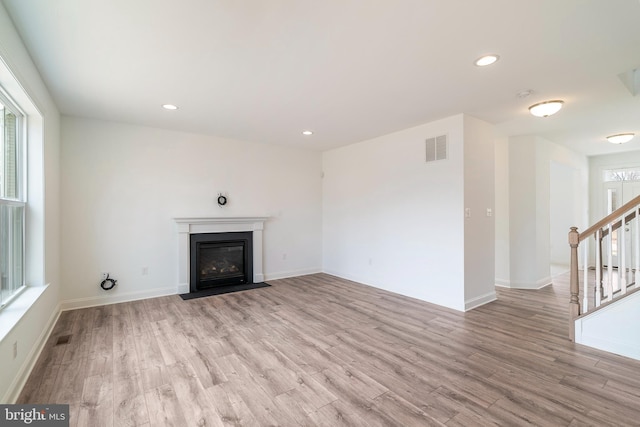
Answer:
(220, 259)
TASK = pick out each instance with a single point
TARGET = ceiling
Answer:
(350, 70)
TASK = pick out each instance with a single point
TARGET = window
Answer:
(12, 200)
(627, 174)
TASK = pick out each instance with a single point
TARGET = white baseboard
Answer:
(351, 278)
(538, 284)
(114, 299)
(292, 273)
(472, 303)
(626, 349)
(378, 286)
(503, 283)
(30, 361)
(182, 288)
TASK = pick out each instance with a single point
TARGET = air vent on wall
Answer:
(436, 148)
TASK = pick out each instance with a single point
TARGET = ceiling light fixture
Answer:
(307, 132)
(546, 109)
(485, 60)
(169, 107)
(620, 138)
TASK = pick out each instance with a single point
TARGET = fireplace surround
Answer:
(201, 225)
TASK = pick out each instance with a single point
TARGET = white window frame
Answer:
(21, 197)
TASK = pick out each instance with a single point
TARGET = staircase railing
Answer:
(611, 268)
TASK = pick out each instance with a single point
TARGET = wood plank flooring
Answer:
(322, 351)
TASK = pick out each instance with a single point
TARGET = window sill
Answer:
(11, 315)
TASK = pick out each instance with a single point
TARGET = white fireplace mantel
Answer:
(187, 226)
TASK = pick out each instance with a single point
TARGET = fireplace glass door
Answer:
(220, 259)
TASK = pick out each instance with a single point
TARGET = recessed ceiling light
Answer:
(169, 107)
(620, 138)
(307, 132)
(546, 109)
(485, 60)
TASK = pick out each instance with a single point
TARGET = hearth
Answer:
(220, 259)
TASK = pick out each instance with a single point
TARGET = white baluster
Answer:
(609, 287)
(622, 256)
(585, 277)
(598, 297)
(636, 229)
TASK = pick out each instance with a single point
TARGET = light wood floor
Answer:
(318, 350)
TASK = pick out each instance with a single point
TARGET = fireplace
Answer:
(220, 259)
(186, 227)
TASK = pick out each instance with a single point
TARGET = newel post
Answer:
(574, 284)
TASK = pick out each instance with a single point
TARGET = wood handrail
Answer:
(607, 219)
(617, 224)
(611, 222)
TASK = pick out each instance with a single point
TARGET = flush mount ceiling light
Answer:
(169, 107)
(307, 132)
(620, 138)
(485, 60)
(546, 109)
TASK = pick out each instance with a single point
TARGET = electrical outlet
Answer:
(284, 256)
(145, 271)
(15, 349)
(103, 276)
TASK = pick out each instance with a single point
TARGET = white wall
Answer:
(562, 205)
(479, 229)
(529, 238)
(28, 320)
(569, 198)
(530, 206)
(501, 211)
(393, 221)
(123, 185)
(613, 328)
